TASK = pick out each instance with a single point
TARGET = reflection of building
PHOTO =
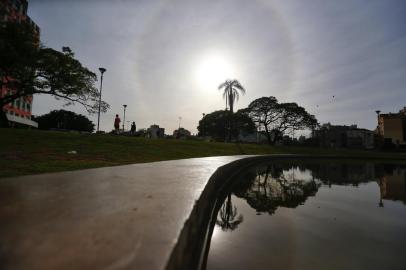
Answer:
(345, 136)
(392, 127)
(19, 111)
(393, 185)
(154, 131)
(343, 173)
(181, 133)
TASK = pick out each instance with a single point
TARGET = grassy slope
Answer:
(34, 151)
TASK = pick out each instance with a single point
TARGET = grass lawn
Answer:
(35, 151)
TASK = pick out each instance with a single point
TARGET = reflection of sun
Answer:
(216, 233)
(212, 71)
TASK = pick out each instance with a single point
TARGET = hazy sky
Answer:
(165, 58)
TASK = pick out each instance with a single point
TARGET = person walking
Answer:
(133, 127)
(117, 124)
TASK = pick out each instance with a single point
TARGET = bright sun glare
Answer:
(212, 71)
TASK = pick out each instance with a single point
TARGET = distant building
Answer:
(252, 137)
(181, 133)
(302, 139)
(344, 136)
(19, 111)
(392, 127)
(154, 131)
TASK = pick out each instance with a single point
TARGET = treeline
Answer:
(266, 114)
(64, 120)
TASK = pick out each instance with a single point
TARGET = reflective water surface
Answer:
(312, 216)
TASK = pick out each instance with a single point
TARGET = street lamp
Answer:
(180, 119)
(203, 122)
(125, 106)
(378, 127)
(102, 70)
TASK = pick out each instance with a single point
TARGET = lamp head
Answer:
(125, 106)
(102, 70)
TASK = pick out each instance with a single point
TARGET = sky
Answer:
(341, 60)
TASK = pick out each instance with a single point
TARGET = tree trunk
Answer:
(278, 136)
(230, 134)
(275, 138)
(229, 208)
(230, 119)
(268, 135)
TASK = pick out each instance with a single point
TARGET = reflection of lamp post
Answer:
(102, 70)
(380, 192)
(125, 106)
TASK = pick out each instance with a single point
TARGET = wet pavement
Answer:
(125, 217)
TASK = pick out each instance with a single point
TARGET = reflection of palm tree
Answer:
(228, 214)
(231, 89)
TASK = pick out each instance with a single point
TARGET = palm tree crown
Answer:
(231, 89)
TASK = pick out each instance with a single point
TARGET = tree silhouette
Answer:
(62, 119)
(28, 68)
(231, 93)
(212, 124)
(231, 89)
(228, 216)
(277, 118)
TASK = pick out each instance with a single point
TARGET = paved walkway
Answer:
(125, 217)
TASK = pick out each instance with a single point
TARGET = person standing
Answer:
(117, 124)
(133, 127)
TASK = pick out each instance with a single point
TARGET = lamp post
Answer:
(125, 106)
(180, 119)
(102, 70)
(378, 126)
(203, 123)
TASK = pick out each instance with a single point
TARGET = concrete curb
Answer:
(192, 247)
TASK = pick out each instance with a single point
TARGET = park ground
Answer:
(24, 152)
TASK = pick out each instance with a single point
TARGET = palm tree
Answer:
(231, 89)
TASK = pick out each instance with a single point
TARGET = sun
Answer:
(212, 70)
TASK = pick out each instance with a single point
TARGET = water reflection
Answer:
(349, 190)
(227, 216)
(267, 187)
(392, 183)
